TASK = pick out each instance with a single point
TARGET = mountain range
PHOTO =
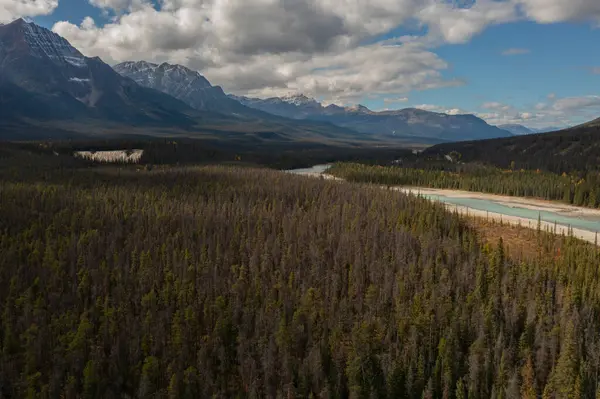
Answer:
(520, 130)
(409, 122)
(47, 86)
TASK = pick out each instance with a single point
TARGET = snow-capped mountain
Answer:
(182, 83)
(411, 122)
(299, 100)
(43, 76)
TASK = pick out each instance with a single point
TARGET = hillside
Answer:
(575, 149)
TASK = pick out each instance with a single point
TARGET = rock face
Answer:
(43, 77)
(410, 122)
(184, 84)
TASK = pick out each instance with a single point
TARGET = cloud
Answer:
(455, 24)
(577, 103)
(269, 47)
(567, 111)
(551, 11)
(395, 100)
(496, 106)
(442, 109)
(595, 70)
(516, 51)
(13, 9)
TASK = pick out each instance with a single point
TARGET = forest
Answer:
(228, 281)
(177, 150)
(581, 189)
(571, 150)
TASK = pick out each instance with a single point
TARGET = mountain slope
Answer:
(415, 123)
(574, 149)
(181, 83)
(43, 77)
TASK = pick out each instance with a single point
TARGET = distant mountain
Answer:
(414, 123)
(44, 78)
(293, 106)
(520, 130)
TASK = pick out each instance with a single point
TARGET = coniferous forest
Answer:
(214, 281)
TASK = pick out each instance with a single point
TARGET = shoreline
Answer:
(520, 202)
(513, 202)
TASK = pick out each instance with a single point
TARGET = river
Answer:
(515, 210)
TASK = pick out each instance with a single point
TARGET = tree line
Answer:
(575, 188)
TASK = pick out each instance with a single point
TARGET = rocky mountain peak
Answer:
(40, 42)
(299, 99)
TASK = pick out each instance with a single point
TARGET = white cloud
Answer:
(577, 103)
(269, 47)
(496, 106)
(595, 70)
(516, 51)
(395, 100)
(556, 111)
(551, 11)
(442, 109)
(459, 24)
(119, 5)
(13, 9)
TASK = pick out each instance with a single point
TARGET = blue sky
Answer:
(536, 68)
(557, 59)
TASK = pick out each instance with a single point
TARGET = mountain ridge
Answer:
(408, 122)
(520, 130)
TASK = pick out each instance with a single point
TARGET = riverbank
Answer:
(520, 202)
(509, 204)
(516, 202)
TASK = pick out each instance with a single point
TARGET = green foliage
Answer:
(235, 282)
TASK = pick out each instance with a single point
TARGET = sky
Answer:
(530, 62)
